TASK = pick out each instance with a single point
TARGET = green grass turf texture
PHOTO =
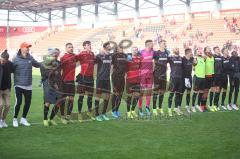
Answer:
(203, 136)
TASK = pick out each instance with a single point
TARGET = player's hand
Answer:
(195, 61)
(187, 83)
(56, 86)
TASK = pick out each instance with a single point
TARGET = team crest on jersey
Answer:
(121, 59)
(162, 59)
(177, 61)
(107, 61)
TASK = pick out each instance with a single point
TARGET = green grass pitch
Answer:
(203, 136)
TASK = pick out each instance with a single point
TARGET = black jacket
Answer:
(1, 74)
(7, 69)
(235, 66)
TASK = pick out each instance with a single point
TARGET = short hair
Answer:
(205, 49)
(215, 48)
(162, 41)
(68, 44)
(187, 50)
(148, 41)
(57, 49)
(234, 52)
(223, 49)
(86, 43)
(106, 44)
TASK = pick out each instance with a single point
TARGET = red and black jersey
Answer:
(133, 70)
(87, 61)
(68, 66)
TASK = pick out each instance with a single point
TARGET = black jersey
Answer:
(218, 64)
(119, 61)
(176, 66)
(235, 64)
(104, 62)
(160, 60)
(187, 67)
(5, 81)
(227, 69)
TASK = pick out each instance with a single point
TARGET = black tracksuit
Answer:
(234, 78)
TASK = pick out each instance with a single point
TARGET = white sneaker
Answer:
(1, 125)
(223, 107)
(234, 106)
(180, 111)
(199, 108)
(177, 111)
(24, 122)
(4, 124)
(218, 109)
(229, 107)
(194, 110)
(15, 122)
(188, 109)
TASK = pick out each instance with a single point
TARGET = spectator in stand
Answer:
(234, 21)
(225, 23)
(158, 38)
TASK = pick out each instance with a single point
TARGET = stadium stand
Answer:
(203, 30)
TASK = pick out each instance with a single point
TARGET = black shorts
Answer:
(160, 83)
(103, 86)
(217, 80)
(224, 82)
(133, 88)
(184, 87)
(209, 81)
(50, 95)
(175, 85)
(69, 88)
(118, 83)
(199, 83)
(85, 84)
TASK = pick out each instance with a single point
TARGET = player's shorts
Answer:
(209, 82)
(85, 84)
(50, 95)
(184, 87)
(103, 86)
(199, 83)
(118, 83)
(133, 88)
(146, 82)
(175, 85)
(220, 81)
(69, 88)
(160, 83)
(224, 82)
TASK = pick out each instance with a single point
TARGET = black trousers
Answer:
(19, 93)
(234, 86)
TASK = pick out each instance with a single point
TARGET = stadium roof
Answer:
(45, 5)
